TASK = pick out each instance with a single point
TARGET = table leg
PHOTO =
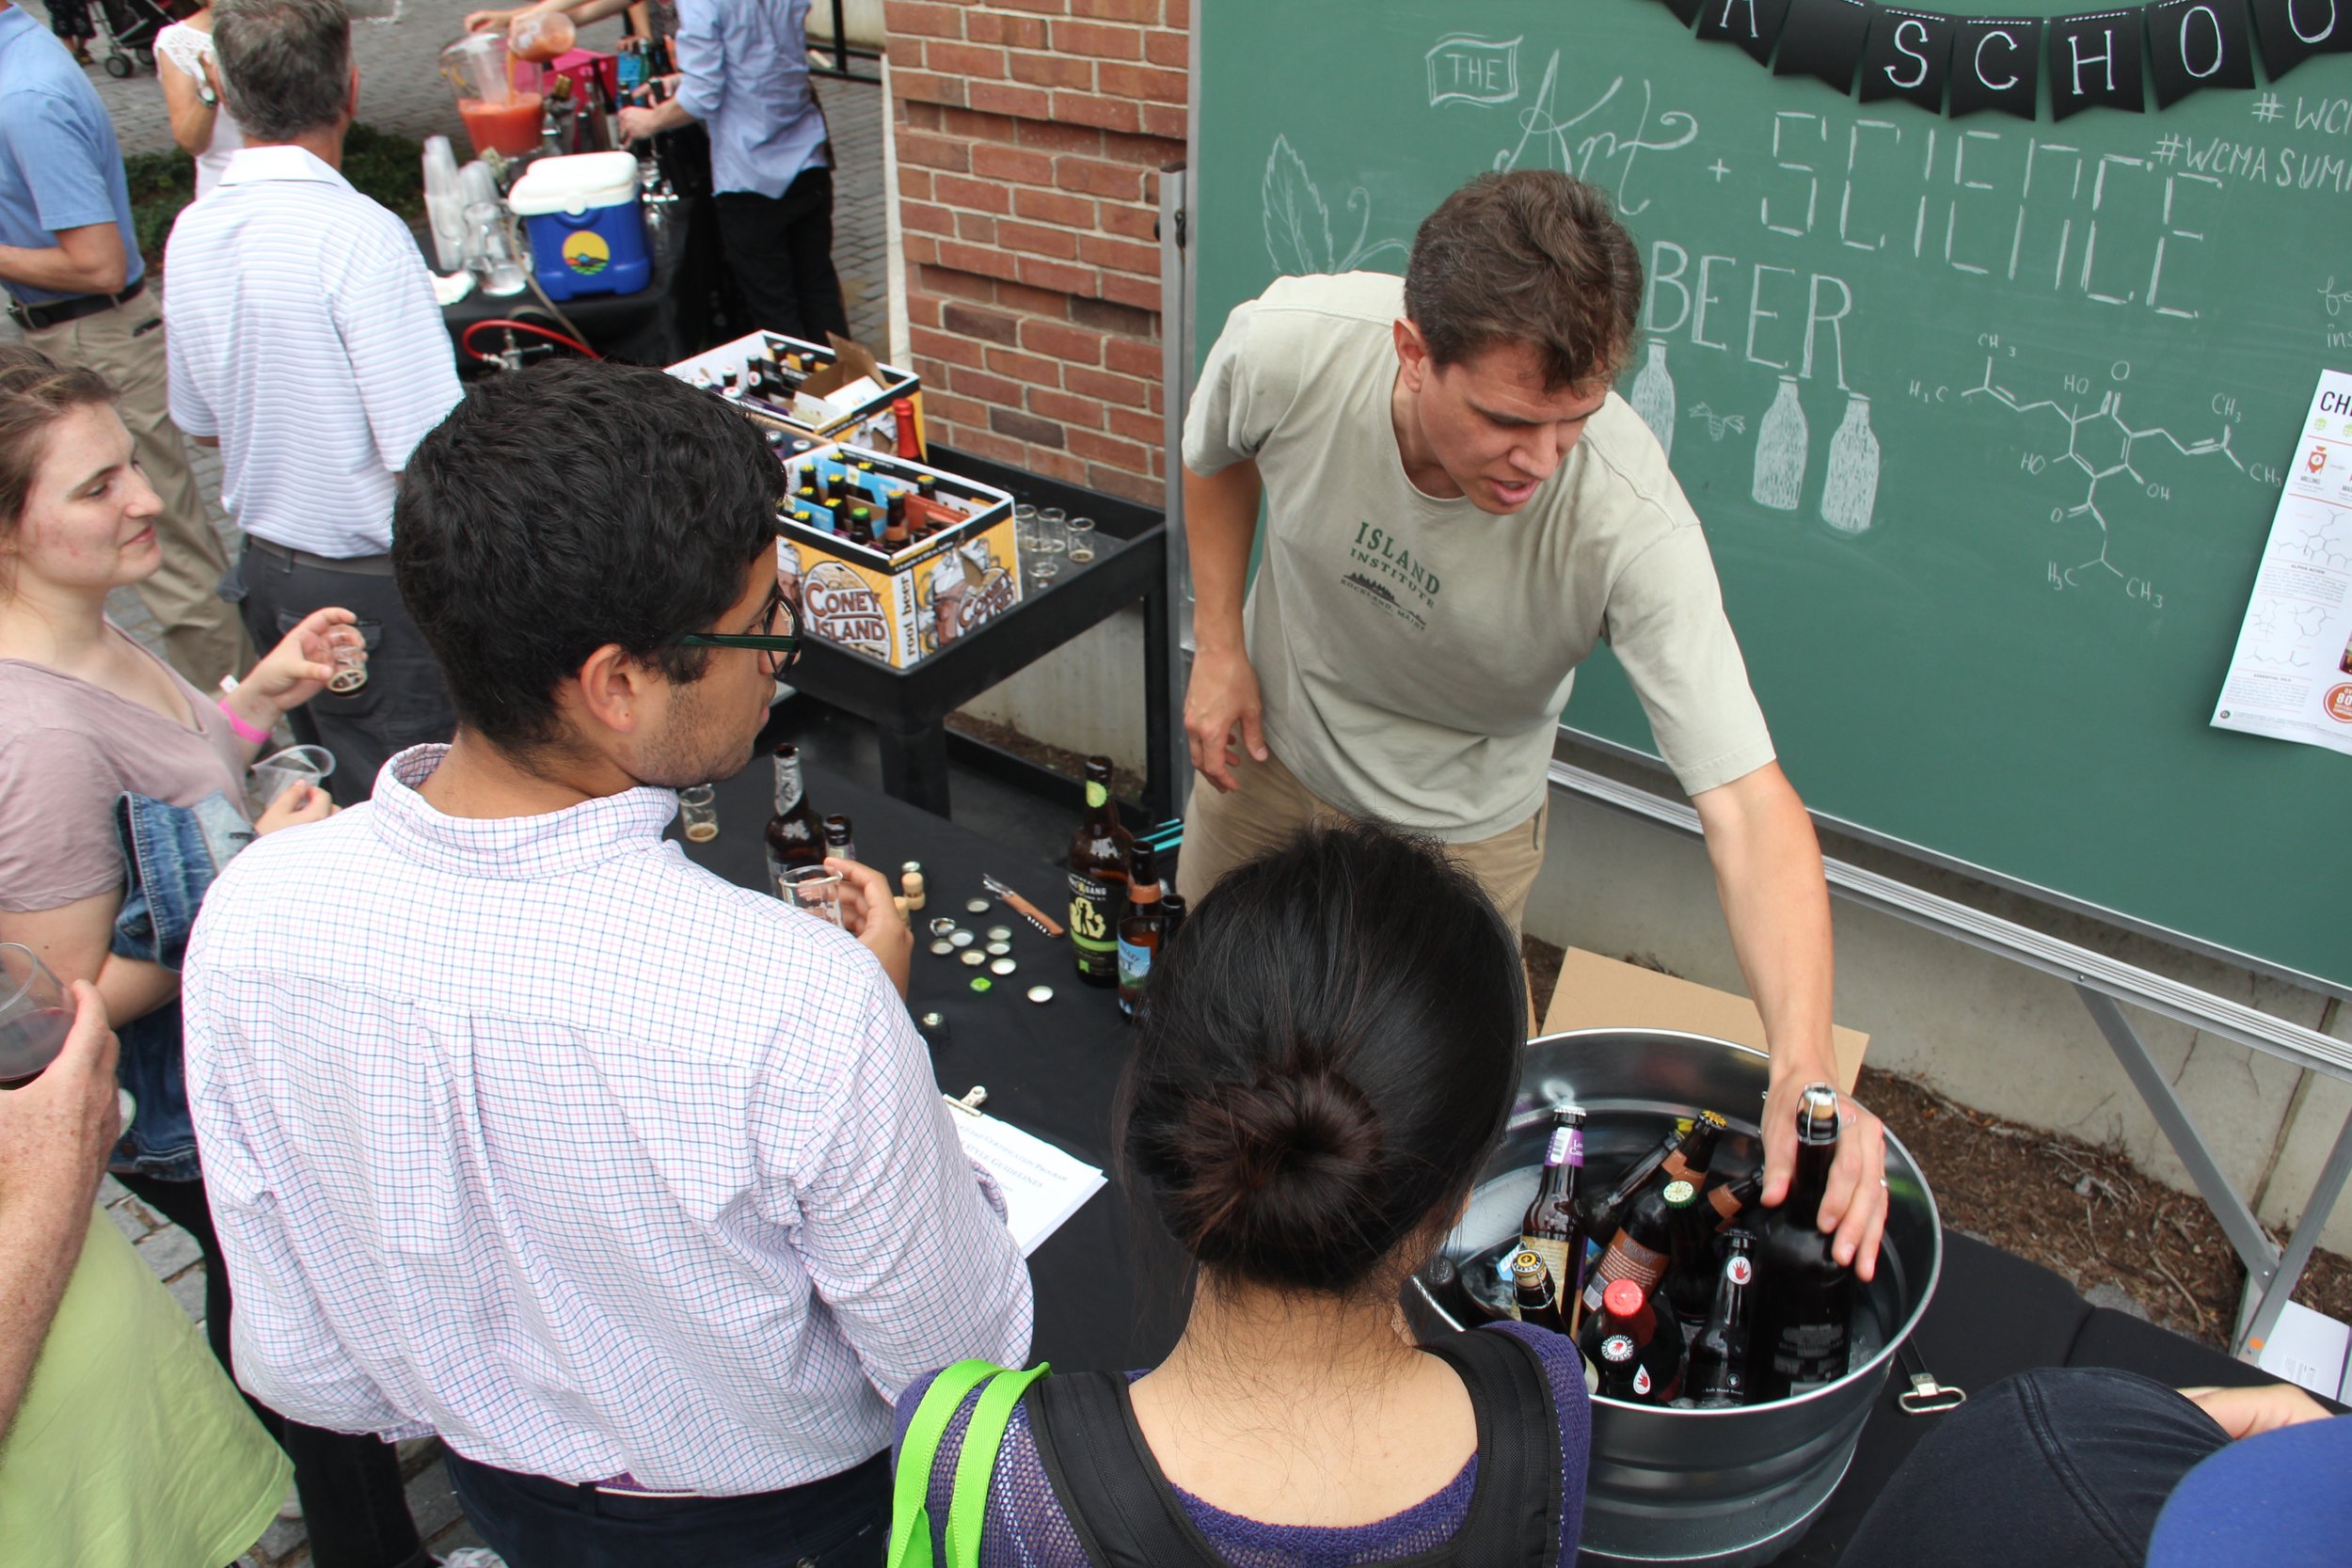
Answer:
(914, 766)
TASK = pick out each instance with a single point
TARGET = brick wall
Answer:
(1030, 134)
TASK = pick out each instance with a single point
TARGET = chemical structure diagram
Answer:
(2323, 534)
(2278, 634)
(2105, 450)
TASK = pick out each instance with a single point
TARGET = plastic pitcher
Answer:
(498, 117)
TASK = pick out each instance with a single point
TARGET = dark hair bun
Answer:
(1274, 1162)
(1329, 1052)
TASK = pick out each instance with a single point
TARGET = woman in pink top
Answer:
(88, 716)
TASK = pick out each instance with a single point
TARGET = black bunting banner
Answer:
(1908, 55)
(1824, 37)
(1962, 65)
(2293, 31)
(1995, 64)
(2095, 59)
(1752, 24)
(2193, 44)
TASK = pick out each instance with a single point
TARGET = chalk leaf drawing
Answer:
(1298, 225)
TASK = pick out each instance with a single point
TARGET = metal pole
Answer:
(1175, 377)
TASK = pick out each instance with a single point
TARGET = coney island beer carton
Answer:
(902, 605)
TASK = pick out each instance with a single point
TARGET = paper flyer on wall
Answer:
(2291, 678)
(1042, 1186)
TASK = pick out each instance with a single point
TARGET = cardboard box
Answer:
(1602, 993)
(866, 419)
(900, 608)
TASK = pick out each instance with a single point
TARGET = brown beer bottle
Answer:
(795, 838)
(1804, 1315)
(1098, 880)
(839, 845)
(1719, 1357)
(1643, 1245)
(1535, 1293)
(1551, 1228)
(1603, 1214)
(1634, 1345)
(1142, 931)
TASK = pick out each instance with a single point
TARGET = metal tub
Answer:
(1721, 1487)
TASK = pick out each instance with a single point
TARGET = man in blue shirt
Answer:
(743, 73)
(70, 260)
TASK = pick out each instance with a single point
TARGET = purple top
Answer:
(1025, 1527)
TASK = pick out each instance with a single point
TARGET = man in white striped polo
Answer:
(305, 343)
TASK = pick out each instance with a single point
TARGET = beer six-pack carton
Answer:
(833, 391)
(900, 603)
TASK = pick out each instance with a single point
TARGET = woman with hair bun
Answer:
(1327, 1058)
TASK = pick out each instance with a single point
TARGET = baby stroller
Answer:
(130, 28)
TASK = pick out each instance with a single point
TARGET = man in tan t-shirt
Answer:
(1458, 509)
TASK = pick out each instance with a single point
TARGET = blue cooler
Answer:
(587, 230)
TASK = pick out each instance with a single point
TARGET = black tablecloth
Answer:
(1110, 1293)
(1107, 1297)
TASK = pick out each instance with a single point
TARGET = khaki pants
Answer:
(203, 637)
(1268, 804)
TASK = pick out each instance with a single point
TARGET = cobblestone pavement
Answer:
(401, 89)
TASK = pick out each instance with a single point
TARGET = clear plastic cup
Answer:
(280, 772)
(698, 813)
(1081, 536)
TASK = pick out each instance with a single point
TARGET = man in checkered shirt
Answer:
(632, 1185)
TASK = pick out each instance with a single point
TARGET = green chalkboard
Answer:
(1995, 625)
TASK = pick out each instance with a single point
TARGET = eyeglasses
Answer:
(781, 647)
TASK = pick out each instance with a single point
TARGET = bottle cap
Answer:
(1568, 1115)
(1817, 1115)
(1680, 1195)
(1527, 1266)
(1623, 1298)
(1714, 1119)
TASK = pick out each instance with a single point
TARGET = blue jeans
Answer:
(842, 1521)
(2063, 1467)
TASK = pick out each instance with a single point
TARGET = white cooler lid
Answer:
(574, 183)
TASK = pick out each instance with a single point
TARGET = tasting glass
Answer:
(351, 666)
(698, 813)
(35, 1014)
(280, 772)
(1053, 529)
(1080, 532)
(813, 890)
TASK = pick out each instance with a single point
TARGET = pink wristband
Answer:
(244, 731)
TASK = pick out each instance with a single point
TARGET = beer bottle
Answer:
(1634, 1345)
(839, 844)
(1142, 931)
(1730, 1199)
(1172, 906)
(894, 533)
(795, 838)
(1601, 1218)
(1551, 1228)
(1098, 880)
(1719, 1357)
(1804, 1313)
(1536, 1295)
(1697, 1152)
(1644, 1244)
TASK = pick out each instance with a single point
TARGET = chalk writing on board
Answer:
(1783, 441)
(1850, 491)
(1654, 398)
(1598, 152)
(1718, 425)
(1298, 225)
(2104, 453)
(1466, 69)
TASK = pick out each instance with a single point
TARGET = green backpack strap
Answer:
(909, 1521)
(967, 1505)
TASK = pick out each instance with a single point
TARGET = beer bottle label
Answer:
(1555, 1256)
(1625, 1259)
(1617, 1347)
(1092, 910)
(1641, 1381)
(787, 786)
(1810, 1354)
(1739, 1271)
(1135, 970)
(1097, 795)
(1567, 1146)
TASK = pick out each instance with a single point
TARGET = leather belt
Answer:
(358, 565)
(58, 312)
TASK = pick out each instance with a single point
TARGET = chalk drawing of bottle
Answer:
(1852, 488)
(1781, 444)
(1654, 398)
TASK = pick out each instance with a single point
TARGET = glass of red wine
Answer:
(35, 1014)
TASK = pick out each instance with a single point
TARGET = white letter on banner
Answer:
(1900, 48)
(2002, 34)
(2074, 47)
(1753, 30)
(2322, 35)
(2212, 18)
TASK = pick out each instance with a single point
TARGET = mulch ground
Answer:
(2086, 1213)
